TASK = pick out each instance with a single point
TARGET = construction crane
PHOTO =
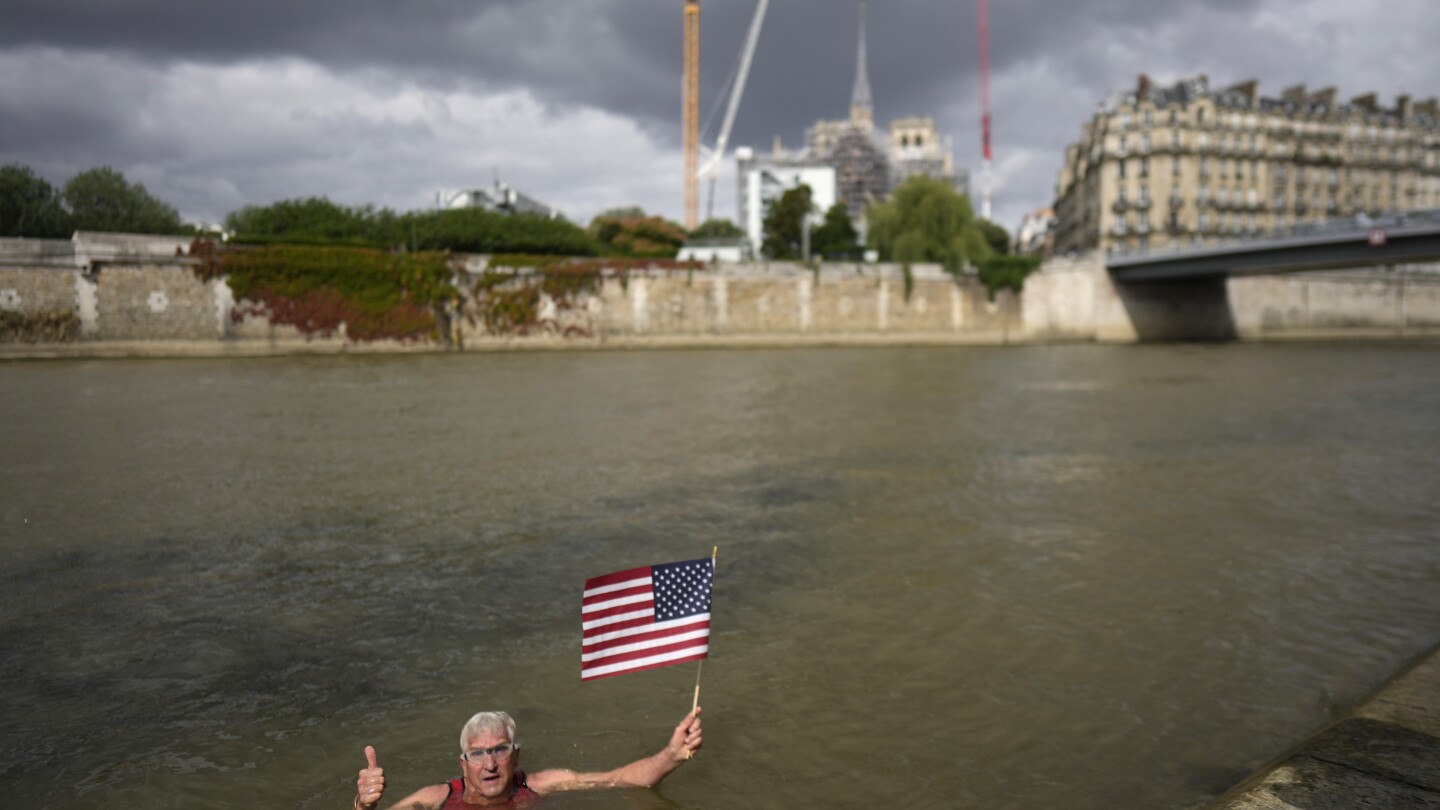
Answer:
(716, 155)
(691, 103)
(984, 106)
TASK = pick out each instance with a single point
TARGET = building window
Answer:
(1144, 167)
(1175, 166)
(1120, 167)
(1149, 119)
(1204, 167)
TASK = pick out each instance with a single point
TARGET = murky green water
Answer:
(1055, 577)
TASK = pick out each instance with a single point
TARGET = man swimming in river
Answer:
(491, 775)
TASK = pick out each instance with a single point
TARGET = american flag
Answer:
(645, 618)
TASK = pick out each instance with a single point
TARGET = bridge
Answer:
(1359, 242)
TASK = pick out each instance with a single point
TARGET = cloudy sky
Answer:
(214, 106)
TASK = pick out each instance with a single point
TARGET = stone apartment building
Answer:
(1185, 165)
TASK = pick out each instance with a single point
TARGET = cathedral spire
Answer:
(862, 110)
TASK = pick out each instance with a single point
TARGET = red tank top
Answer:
(455, 799)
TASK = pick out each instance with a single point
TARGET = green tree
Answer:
(837, 235)
(623, 212)
(622, 234)
(995, 236)
(785, 223)
(717, 229)
(30, 206)
(926, 220)
(101, 199)
(314, 220)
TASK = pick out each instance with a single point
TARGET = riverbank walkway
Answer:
(1383, 754)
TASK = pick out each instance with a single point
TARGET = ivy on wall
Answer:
(376, 294)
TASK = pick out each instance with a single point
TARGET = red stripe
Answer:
(625, 625)
(639, 637)
(619, 610)
(621, 658)
(618, 576)
(605, 597)
(696, 657)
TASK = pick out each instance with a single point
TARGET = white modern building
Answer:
(500, 197)
(763, 179)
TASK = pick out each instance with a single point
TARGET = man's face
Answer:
(488, 776)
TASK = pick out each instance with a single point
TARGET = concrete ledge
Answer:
(1385, 753)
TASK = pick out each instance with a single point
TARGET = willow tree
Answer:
(927, 220)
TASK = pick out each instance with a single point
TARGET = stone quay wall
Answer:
(118, 295)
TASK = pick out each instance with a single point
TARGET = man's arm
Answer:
(645, 772)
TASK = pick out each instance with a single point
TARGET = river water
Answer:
(1081, 577)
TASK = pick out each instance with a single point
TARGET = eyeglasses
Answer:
(500, 752)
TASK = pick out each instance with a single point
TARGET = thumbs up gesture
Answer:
(370, 784)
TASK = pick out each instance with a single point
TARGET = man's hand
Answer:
(686, 739)
(370, 784)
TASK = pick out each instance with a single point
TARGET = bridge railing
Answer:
(1357, 225)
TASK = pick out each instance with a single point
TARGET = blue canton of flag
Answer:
(682, 589)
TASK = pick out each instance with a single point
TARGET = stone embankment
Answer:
(113, 294)
(1384, 754)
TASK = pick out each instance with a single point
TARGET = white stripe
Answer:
(646, 628)
(642, 662)
(646, 645)
(619, 617)
(623, 600)
(618, 586)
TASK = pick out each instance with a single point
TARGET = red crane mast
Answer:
(984, 105)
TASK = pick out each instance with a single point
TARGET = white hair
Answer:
(494, 722)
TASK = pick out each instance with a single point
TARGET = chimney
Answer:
(1248, 89)
(1366, 102)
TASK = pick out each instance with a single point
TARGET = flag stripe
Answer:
(619, 576)
(618, 610)
(599, 635)
(628, 640)
(666, 659)
(657, 665)
(605, 594)
(609, 620)
(643, 623)
(644, 596)
(649, 647)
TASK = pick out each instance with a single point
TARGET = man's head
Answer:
(489, 756)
